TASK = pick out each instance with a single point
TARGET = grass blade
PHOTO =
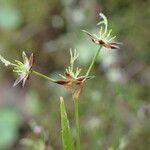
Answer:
(65, 128)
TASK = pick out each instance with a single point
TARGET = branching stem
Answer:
(93, 61)
(42, 76)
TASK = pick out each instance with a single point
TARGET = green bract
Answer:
(6, 63)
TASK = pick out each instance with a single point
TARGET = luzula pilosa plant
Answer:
(71, 79)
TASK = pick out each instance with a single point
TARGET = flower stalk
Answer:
(42, 76)
(93, 61)
(77, 122)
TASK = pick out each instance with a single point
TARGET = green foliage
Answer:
(36, 144)
(66, 132)
(10, 121)
(9, 18)
(33, 102)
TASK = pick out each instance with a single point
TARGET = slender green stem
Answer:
(76, 105)
(93, 61)
(42, 76)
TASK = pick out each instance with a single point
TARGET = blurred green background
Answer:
(114, 106)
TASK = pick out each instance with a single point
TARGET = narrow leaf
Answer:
(65, 129)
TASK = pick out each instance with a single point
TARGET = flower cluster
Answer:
(71, 77)
(71, 80)
(22, 69)
(104, 38)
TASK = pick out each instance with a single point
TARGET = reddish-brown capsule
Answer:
(70, 81)
(103, 42)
